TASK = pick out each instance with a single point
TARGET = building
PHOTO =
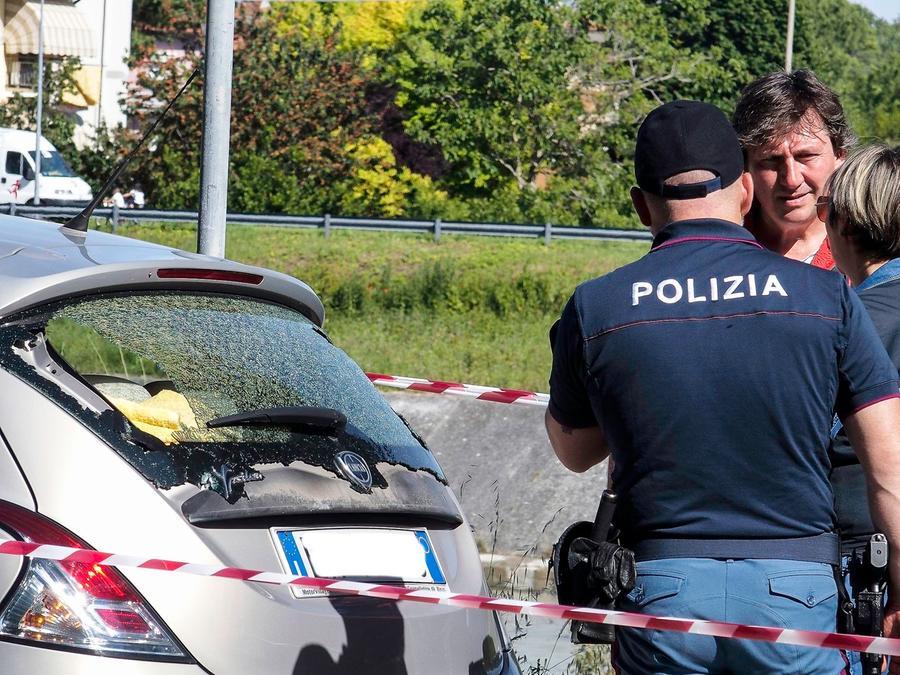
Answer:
(98, 32)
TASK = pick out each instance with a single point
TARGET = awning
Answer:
(66, 30)
(87, 88)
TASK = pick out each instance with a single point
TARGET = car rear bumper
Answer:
(79, 203)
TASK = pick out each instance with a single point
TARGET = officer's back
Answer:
(710, 369)
(729, 337)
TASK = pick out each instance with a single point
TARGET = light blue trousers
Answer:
(779, 593)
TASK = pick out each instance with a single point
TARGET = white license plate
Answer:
(378, 555)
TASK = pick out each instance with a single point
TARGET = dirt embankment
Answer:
(501, 468)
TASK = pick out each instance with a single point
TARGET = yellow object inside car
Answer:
(161, 415)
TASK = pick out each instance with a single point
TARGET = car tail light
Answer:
(209, 275)
(77, 605)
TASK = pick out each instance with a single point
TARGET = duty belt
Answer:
(824, 548)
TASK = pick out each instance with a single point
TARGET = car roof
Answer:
(41, 262)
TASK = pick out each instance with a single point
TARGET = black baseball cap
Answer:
(686, 136)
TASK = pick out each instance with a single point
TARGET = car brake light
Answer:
(78, 605)
(212, 275)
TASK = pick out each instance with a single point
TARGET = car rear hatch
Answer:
(358, 497)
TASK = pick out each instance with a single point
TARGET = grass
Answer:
(509, 576)
(307, 254)
(475, 347)
(472, 309)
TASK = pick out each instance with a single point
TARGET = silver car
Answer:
(165, 404)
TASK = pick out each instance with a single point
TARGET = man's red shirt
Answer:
(823, 257)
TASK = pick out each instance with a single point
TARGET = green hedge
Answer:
(356, 273)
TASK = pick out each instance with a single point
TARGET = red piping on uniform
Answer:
(877, 400)
(710, 318)
(682, 240)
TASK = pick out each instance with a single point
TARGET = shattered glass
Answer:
(169, 362)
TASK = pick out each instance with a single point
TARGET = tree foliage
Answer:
(538, 100)
(372, 26)
(489, 85)
(518, 110)
(298, 103)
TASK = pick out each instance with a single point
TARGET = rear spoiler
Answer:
(203, 274)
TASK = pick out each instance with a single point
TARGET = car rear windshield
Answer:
(169, 362)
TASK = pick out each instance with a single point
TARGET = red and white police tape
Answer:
(803, 638)
(496, 394)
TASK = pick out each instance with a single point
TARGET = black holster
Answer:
(593, 574)
(869, 568)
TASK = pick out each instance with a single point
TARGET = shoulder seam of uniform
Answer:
(683, 240)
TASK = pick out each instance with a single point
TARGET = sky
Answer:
(886, 9)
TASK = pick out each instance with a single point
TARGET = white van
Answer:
(59, 185)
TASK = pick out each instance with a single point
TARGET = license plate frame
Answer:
(305, 552)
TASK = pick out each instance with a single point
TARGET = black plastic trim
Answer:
(335, 519)
(15, 460)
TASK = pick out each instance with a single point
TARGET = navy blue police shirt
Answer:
(712, 367)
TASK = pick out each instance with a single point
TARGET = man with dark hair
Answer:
(794, 134)
(709, 370)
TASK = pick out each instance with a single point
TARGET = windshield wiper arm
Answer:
(308, 418)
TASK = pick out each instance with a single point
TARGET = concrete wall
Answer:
(497, 457)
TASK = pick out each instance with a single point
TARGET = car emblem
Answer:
(354, 468)
(228, 482)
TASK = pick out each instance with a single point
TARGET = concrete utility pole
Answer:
(789, 48)
(216, 127)
(40, 110)
(102, 64)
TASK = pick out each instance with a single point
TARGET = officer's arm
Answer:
(577, 449)
(874, 433)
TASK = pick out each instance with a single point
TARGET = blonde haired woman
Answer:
(862, 219)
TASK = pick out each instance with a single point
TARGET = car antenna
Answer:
(80, 222)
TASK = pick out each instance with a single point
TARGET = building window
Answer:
(23, 74)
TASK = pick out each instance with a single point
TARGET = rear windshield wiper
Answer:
(306, 418)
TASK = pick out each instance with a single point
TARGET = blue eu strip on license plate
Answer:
(292, 554)
(430, 558)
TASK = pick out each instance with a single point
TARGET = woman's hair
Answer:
(865, 194)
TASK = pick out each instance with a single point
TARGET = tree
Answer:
(879, 91)
(183, 20)
(858, 56)
(520, 110)
(534, 103)
(369, 26)
(488, 83)
(742, 40)
(298, 103)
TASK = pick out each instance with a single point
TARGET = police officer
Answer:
(709, 369)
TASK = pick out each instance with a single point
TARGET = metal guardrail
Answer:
(328, 222)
